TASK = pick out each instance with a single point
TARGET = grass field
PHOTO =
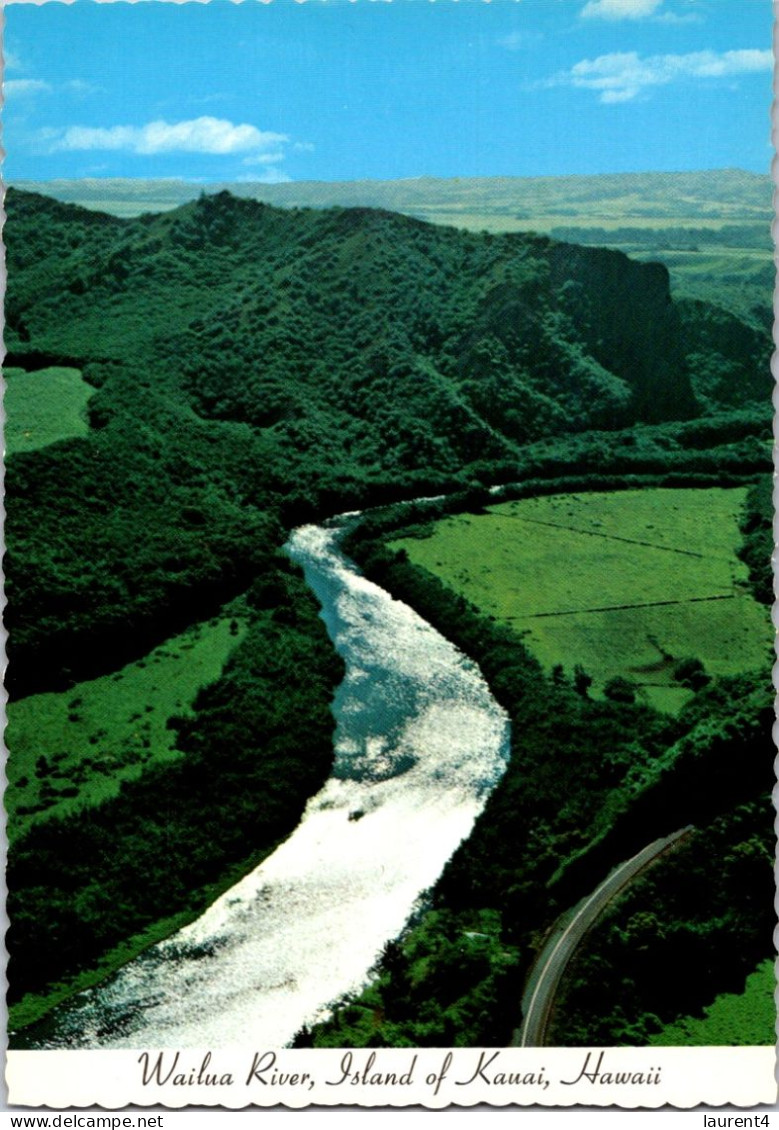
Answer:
(44, 406)
(739, 278)
(74, 748)
(622, 584)
(733, 1018)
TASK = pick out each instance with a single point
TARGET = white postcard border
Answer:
(239, 1077)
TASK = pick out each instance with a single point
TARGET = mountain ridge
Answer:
(289, 363)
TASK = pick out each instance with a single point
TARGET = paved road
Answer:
(566, 935)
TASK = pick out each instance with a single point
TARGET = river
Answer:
(419, 744)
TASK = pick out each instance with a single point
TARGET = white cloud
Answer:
(611, 97)
(679, 18)
(519, 40)
(81, 86)
(16, 86)
(26, 86)
(200, 135)
(273, 157)
(208, 99)
(622, 76)
(620, 9)
(270, 176)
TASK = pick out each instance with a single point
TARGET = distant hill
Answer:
(493, 203)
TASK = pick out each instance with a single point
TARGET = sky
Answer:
(337, 90)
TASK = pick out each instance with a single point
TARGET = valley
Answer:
(218, 374)
(419, 745)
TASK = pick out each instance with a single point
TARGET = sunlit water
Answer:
(420, 742)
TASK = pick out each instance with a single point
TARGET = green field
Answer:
(733, 1018)
(740, 278)
(622, 584)
(44, 406)
(74, 748)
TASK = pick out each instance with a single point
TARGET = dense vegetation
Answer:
(677, 937)
(258, 744)
(711, 229)
(667, 238)
(758, 538)
(252, 365)
(733, 1018)
(253, 368)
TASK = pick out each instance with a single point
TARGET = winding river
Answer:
(420, 742)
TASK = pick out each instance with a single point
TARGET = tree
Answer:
(691, 673)
(620, 689)
(581, 680)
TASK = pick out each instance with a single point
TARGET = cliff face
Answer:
(578, 337)
(624, 312)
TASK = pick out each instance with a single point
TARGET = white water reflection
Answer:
(420, 742)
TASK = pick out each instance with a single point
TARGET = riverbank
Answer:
(589, 783)
(257, 744)
(419, 745)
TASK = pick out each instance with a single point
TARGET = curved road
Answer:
(566, 935)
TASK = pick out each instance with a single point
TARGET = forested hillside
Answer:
(253, 368)
(711, 229)
(301, 362)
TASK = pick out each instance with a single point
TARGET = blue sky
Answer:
(332, 90)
